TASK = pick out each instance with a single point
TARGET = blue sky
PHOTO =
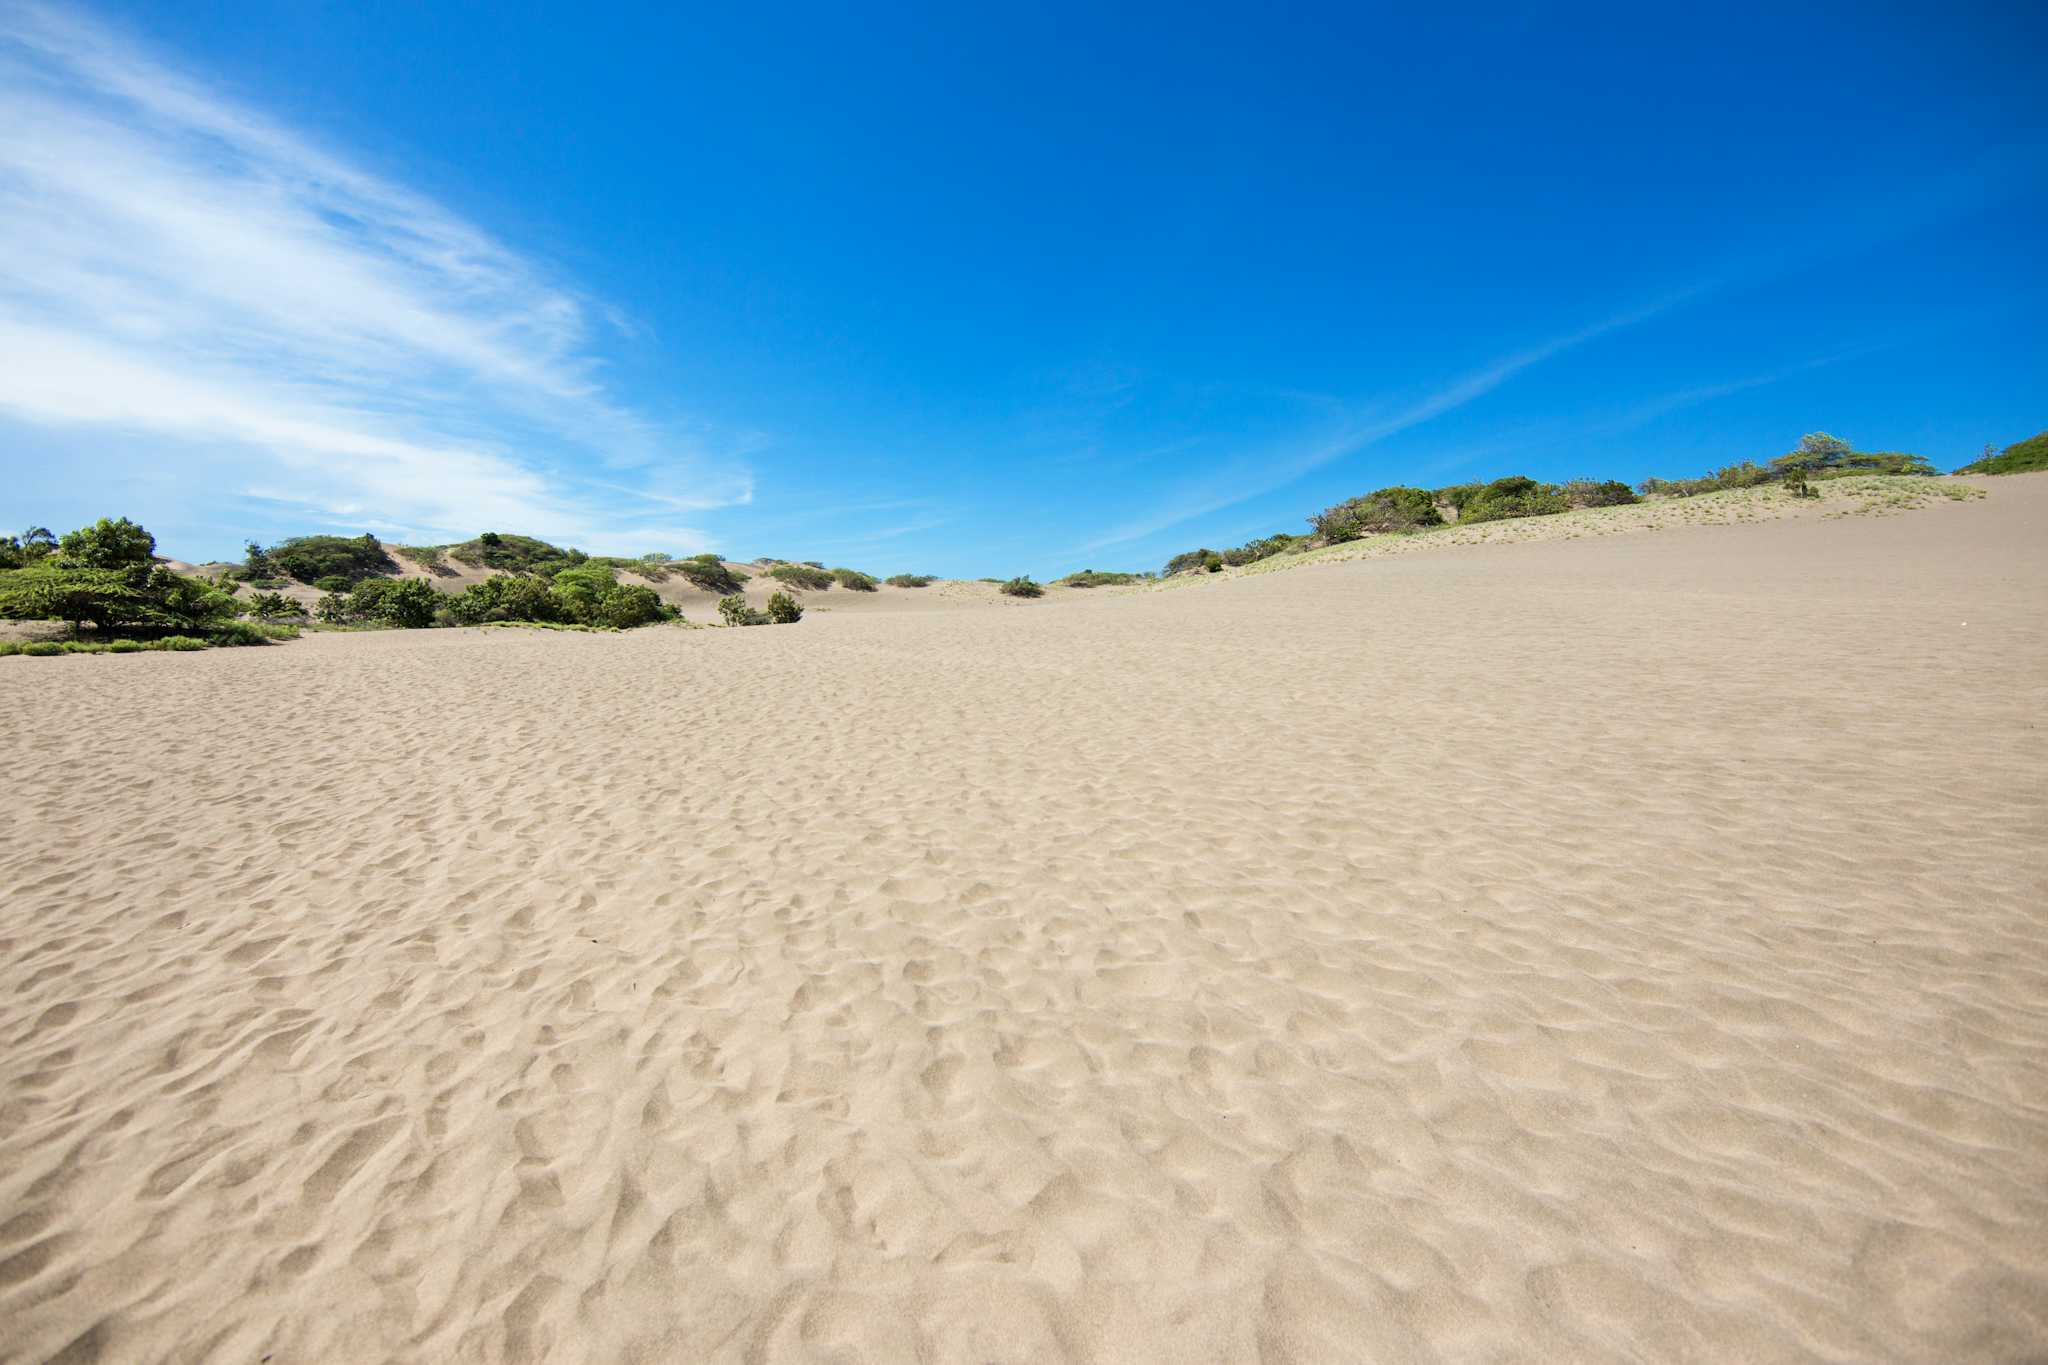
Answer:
(978, 291)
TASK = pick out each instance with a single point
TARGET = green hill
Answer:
(2020, 457)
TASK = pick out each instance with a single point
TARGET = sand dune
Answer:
(1629, 948)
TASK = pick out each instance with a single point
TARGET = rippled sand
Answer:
(1621, 949)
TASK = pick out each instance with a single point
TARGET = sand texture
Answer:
(1619, 949)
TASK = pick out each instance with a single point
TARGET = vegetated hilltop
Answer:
(2021, 457)
(1402, 511)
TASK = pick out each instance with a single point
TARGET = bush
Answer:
(428, 557)
(1378, 513)
(310, 559)
(2018, 458)
(506, 597)
(516, 554)
(734, 611)
(407, 603)
(1798, 487)
(9, 647)
(706, 572)
(250, 633)
(909, 580)
(84, 647)
(1023, 587)
(784, 610)
(1606, 493)
(177, 644)
(854, 580)
(802, 576)
(628, 605)
(1252, 551)
(1191, 560)
(125, 647)
(270, 605)
(1512, 497)
(42, 649)
(334, 583)
(1090, 578)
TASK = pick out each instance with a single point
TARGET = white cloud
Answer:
(174, 264)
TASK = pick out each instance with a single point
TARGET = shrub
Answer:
(1455, 496)
(785, 610)
(2018, 458)
(909, 580)
(734, 611)
(177, 644)
(516, 554)
(42, 649)
(1512, 497)
(125, 647)
(628, 605)
(274, 604)
(1090, 578)
(1605, 493)
(1798, 487)
(854, 580)
(428, 557)
(408, 603)
(506, 597)
(84, 647)
(9, 647)
(312, 558)
(1378, 513)
(1194, 559)
(334, 583)
(708, 573)
(1252, 551)
(1022, 587)
(802, 576)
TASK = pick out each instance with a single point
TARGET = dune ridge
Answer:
(1607, 949)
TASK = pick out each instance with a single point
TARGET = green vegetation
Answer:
(854, 580)
(1504, 499)
(909, 580)
(2021, 457)
(312, 558)
(106, 574)
(270, 605)
(42, 649)
(783, 610)
(515, 554)
(428, 557)
(1388, 510)
(1604, 493)
(8, 648)
(710, 573)
(1022, 587)
(802, 576)
(1817, 456)
(1091, 578)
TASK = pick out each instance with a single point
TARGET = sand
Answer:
(1626, 948)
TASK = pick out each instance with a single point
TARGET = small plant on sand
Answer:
(709, 573)
(803, 576)
(734, 611)
(178, 644)
(910, 580)
(784, 610)
(42, 649)
(1022, 587)
(125, 647)
(1798, 487)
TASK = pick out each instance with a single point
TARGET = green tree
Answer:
(108, 544)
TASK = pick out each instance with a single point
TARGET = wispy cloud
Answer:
(175, 264)
(1247, 477)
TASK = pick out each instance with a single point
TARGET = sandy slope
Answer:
(1621, 949)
